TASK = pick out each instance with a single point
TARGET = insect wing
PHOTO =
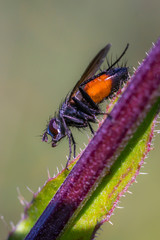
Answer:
(92, 68)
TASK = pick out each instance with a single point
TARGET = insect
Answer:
(81, 106)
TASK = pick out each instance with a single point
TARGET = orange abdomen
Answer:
(99, 88)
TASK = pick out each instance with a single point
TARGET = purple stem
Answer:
(103, 150)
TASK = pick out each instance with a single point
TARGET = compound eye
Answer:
(53, 128)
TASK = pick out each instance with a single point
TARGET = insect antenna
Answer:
(116, 62)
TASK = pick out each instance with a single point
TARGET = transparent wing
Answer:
(92, 68)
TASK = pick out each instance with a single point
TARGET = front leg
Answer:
(91, 129)
(69, 135)
(74, 145)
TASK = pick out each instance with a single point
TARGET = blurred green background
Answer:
(44, 48)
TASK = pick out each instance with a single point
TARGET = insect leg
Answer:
(68, 133)
(82, 106)
(74, 145)
(74, 119)
(88, 98)
(106, 114)
(70, 148)
(90, 127)
(88, 110)
(85, 108)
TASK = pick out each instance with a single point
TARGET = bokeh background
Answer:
(44, 48)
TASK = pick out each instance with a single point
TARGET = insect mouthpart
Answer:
(54, 144)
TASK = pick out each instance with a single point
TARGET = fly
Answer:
(81, 106)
